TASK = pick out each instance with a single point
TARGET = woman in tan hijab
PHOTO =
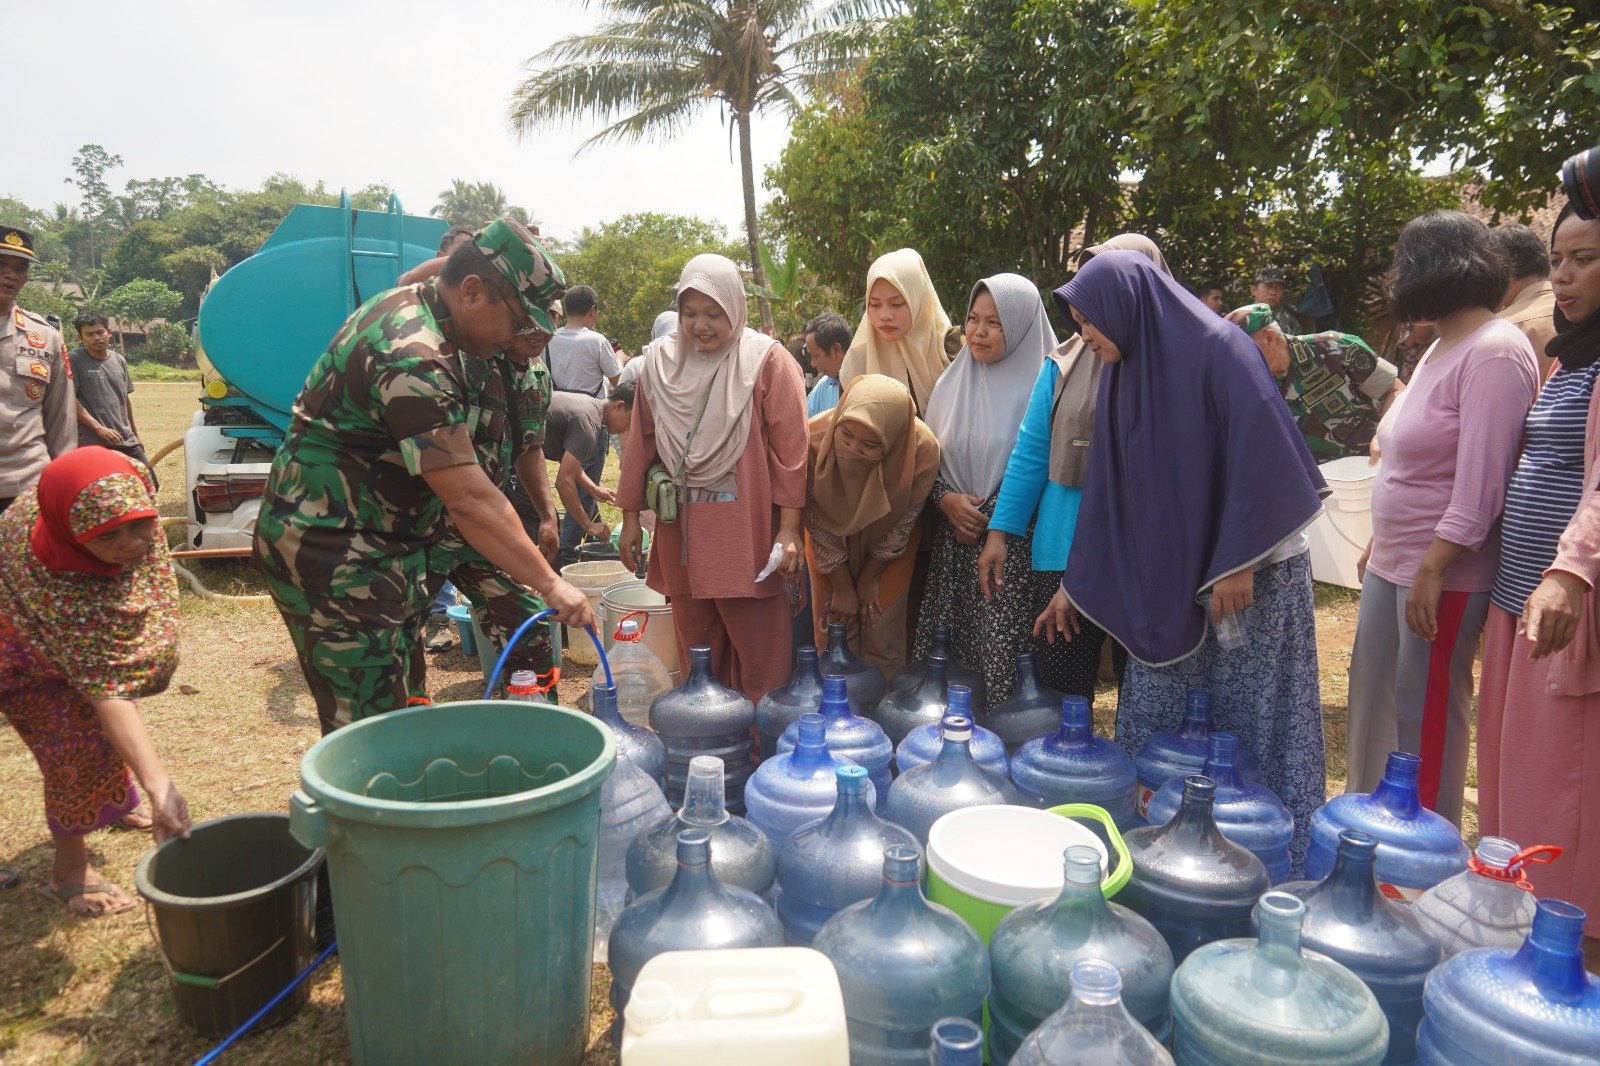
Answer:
(902, 331)
(721, 408)
(872, 465)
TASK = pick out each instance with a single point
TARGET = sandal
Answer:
(65, 894)
(135, 821)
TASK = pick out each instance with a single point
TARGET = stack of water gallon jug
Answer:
(909, 876)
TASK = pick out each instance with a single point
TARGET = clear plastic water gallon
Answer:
(1032, 708)
(703, 716)
(778, 709)
(1072, 765)
(1264, 1001)
(1035, 949)
(1189, 881)
(741, 854)
(1489, 906)
(903, 964)
(1093, 1027)
(954, 780)
(1247, 812)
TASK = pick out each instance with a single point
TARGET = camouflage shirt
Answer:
(1335, 388)
(502, 428)
(347, 517)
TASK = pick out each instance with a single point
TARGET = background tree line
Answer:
(1008, 135)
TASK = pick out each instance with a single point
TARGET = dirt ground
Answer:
(231, 731)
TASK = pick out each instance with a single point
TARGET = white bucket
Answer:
(626, 597)
(591, 579)
(1341, 533)
(1006, 854)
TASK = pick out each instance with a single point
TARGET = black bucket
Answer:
(234, 916)
(598, 551)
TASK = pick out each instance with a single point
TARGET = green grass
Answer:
(148, 371)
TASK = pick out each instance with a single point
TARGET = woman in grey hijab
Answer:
(976, 410)
(1036, 512)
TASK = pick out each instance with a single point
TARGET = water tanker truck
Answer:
(261, 327)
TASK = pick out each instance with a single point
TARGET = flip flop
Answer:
(65, 894)
(135, 822)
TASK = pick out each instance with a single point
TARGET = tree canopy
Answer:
(1236, 132)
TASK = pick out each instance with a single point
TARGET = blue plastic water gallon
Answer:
(1531, 1007)
(851, 737)
(800, 786)
(922, 744)
(1180, 752)
(1035, 948)
(1072, 765)
(741, 854)
(864, 680)
(954, 780)
(1093, 1027)
(1416, 847)
(926, 701)
(635, 744)
(1248, 813)
(1250, 1001)
(835, 861)
(696, 912)
(955, 674)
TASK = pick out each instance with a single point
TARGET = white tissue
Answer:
(774, 561)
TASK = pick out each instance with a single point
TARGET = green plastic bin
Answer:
(460, 843)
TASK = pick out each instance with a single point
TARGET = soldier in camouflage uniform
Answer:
(509, 397)
(380, 447)
(1336, 386)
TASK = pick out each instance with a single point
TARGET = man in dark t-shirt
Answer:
(104, 389)
(577, 432)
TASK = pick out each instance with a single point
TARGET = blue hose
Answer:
(233, 1037)
(522, 630)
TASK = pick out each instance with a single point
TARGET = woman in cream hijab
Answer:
(975, 412)
(722, 408)
(902, 331)
(872, 463)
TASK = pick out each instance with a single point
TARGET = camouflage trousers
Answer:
(499, 605)
(355, 671)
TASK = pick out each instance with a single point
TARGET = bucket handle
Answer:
(194, 979)
(308, 822)
(1120, 876)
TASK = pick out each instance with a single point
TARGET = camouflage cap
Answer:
(1252, 318)
(1271, 276)
(524, 264)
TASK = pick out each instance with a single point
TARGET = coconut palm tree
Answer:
(654, 63)
(472, 204)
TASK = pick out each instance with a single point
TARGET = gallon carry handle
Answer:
(1120, 876)
(749, 997)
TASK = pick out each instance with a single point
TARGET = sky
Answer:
(350, 92)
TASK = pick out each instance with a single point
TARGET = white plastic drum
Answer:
(1340, 534)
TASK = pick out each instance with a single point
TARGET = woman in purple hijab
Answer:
(1199, 488)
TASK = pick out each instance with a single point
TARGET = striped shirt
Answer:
(1547, 486)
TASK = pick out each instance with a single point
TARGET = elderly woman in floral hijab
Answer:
(88, 625)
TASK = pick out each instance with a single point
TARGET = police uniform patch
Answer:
(35, 390)
(39, 370)
(36, 340)
(19, 318)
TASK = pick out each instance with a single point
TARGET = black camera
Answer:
(1580, 180)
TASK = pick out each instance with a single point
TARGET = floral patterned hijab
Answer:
(111, 630)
